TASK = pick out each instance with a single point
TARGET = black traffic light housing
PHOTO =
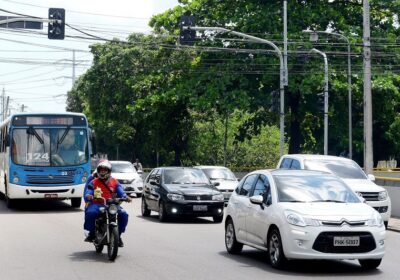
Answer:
(187, 35)
(275, 102)
(321, 101)
(56, 27)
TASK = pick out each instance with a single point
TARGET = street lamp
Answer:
(326, 98)
(314, 38)
(282, 70)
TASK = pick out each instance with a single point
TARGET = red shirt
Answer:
(105, 192)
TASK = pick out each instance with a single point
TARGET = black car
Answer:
(181, 191)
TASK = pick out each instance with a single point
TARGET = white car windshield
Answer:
(123, 168)
(219, 173)
(313, 188)
(185, 176)
(342, 169)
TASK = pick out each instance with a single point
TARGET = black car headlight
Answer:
(218, 197)
(175, 197)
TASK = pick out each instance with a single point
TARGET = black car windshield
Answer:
(313, 188)
(49, 146)
(184, 176)
(340, 168)
(123, 167)
(219, 173)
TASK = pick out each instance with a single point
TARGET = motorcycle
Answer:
(106, 228)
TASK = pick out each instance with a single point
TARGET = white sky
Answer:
(39, 77)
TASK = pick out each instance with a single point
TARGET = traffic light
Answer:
(321, 101)
(187, 36)
(275, 102)
(56, 26)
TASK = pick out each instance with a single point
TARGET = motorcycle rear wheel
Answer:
(112, 247)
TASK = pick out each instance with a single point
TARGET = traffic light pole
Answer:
(282, 71)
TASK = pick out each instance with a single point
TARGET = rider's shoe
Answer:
(89, 238)
(120, 243)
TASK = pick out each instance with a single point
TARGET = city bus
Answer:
(44, 156)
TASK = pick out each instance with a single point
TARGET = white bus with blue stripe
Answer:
(44, 156)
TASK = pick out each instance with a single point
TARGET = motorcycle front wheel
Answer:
(99, 248)
(113, 245)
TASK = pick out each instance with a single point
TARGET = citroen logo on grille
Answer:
(198, 197)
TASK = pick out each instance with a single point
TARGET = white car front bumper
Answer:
(317, 242)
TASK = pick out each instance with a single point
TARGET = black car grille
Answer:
(370, 196)
(198, 197)
(324, 243)
(50, 179)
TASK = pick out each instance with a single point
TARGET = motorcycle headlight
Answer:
(375, 220)
(113, 209)
(383, 195)
(175, 197)
(218, 197)
(296, 219)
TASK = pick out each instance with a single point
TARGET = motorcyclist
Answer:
(100, 188)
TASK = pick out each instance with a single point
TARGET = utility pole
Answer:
(3, 104)
(6, 113)
(368, 145)
(285, 42)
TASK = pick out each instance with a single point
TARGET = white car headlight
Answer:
(296, 219)
(175, 197)
(375, 220)
(113, 209)
(218, 197)
(383, 195)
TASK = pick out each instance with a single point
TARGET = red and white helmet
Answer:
(105, 167)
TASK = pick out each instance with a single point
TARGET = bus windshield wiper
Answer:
(32, 131)
(63, 136)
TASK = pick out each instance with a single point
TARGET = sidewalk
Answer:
(394, 224)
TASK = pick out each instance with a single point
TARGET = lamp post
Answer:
(282, 71)
(314, 37)
(326, 98)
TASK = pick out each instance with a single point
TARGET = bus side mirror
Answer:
(93, 140)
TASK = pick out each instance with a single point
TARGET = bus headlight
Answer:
(15, 180)
(84, 179)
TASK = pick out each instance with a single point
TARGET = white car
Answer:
(347, 169)
(302, 214)
(128, 177)
(222, 175)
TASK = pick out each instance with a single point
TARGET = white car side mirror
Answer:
(257, 199)
(371, 177)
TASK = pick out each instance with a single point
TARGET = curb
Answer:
(393, 229)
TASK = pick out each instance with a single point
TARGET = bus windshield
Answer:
(49, 146)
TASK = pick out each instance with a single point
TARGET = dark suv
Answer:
(179, 191)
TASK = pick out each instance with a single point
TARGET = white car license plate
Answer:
(200, 208)
(346, 241)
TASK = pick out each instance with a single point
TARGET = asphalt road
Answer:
(44, 240)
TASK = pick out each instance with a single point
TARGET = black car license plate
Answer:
(200, 208)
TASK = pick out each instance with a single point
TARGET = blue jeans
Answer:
(92, 212)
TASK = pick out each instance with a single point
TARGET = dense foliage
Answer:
(211, 103)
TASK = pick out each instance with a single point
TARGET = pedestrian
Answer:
(138, 165)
